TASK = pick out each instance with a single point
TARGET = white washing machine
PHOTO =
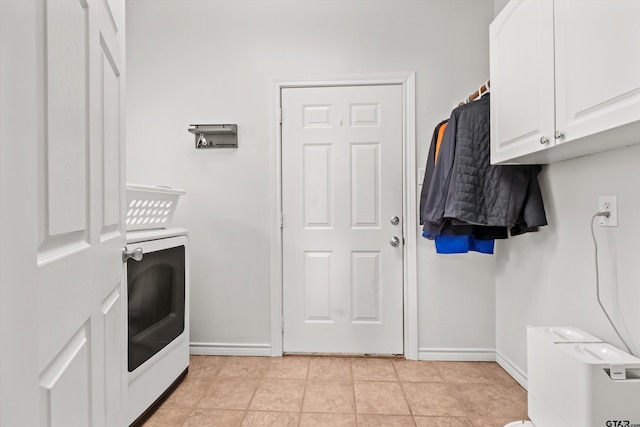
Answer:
(157, 274)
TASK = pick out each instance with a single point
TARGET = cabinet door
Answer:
(597, 65)
(522, 79)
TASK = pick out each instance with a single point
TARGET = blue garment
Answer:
(450, 244)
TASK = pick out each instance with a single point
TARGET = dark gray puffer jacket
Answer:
(466, 187)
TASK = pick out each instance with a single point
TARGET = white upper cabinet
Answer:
(522, 100)
(565, 79)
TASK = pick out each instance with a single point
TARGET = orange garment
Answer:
(439, 140)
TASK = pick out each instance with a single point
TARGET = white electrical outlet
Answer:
(608, 203)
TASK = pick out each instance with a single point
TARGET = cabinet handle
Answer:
(559, 134)
(544, 140)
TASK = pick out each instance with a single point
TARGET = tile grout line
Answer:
(494, 380)
(453, 392)
(253, 395)
(353, 391)
(404, 394)
(202, 397)
(304, 392)
(455, 396)
(487, 374)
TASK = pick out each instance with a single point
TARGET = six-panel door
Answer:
(81, 300)
(341, 189)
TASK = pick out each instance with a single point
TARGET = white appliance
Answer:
(158, 312)
(576, 380)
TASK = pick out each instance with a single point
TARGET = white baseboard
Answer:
(457, 354)
(229, 349)
(512, 370)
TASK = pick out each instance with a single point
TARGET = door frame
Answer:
(409, 195)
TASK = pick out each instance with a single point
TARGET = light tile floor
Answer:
(294, 391)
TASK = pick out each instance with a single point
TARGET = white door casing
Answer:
(410, 226)
(81, 299)
(341, 186)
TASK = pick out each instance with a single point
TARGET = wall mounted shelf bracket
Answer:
(215, 136)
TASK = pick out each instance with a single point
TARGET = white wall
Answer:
(210, 62)
(548, 278)
(498, 5)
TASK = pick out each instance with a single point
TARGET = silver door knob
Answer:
(395, 242)
(544, 140)
(135, 254)
(395, 220)
(559, 134)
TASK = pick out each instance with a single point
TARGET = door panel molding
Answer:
(409, 224)
(66, 142)
(365, 200)
(60, 379)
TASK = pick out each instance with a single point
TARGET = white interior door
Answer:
(81, 303)
(341, 189)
